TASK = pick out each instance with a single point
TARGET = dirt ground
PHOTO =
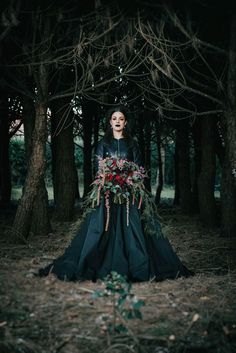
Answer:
(45, 315)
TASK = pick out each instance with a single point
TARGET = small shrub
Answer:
(125, 305)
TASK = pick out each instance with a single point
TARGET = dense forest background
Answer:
(63, 64)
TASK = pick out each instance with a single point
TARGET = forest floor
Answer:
(186, 315)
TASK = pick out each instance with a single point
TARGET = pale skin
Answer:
(118, 123)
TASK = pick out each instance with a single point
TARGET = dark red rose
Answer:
(109, 177)
(119, 180)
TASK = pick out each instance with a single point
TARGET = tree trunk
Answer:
(147, 155)
(63, 163)
(219, 148)
(231, 111)
(77, 193)
(182, 137)
(141, 140)
(228, 202)
(40, 222)
(95, 134)
(88, 112)
(160, 166)
(5, 173)
(22, 222)
(196, 132)
(176, 165)
(228, 187)
(206, 180)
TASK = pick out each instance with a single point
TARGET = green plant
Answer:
(125, 305)
(18, 161)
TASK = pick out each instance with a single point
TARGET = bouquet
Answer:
(120, 180)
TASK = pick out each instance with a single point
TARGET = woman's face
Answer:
(118, 121)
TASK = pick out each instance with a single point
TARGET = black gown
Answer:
(127, 249)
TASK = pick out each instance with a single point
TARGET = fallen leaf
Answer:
(195, 317)
(204, 298)
(172, 337)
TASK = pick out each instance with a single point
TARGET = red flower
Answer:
(119, 180)
(109, 177)
(114, 164)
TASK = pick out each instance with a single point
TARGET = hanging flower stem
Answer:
(107, 194)
(103, 176)
(127, 211)
(98, 195)
(140, 202)
(133, 199)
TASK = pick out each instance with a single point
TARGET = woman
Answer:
(130, 244)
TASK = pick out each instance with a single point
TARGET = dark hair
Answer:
(108, 133)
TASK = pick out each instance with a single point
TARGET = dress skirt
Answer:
(125, 248)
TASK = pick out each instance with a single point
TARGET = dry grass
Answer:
(196, 314)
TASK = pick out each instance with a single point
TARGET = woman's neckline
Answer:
(120, 138)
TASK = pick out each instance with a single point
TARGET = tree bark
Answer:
(219, 148)
(196, 133)
(5, 173)
(89, 110)
(176, 168)
(22, 222)
(77, 193)
(228, 202)
(231, 106)
(160, 166)
(95, 134)
(141, 139)
(63, 163)
(147, 150)
(206, 180)
(182, 137)
(40, 221)
(228, 186)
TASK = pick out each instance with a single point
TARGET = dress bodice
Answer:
(118, 148)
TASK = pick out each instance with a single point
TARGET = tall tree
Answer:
(206, 179)
(176, 169)
(22, 222)
(40, 222)
(196, 135)
(147, 118)
(89, 111)
(228, 190)
(37, 50)
(5, 176)
(159, 163)
(182, 141)
(63, 160)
